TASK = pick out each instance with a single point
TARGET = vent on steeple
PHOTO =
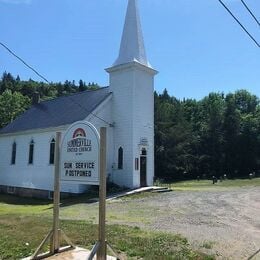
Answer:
(132, 43)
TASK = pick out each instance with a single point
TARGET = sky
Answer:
(195, 45)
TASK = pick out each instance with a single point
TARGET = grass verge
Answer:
(204, 185)
(20, 236)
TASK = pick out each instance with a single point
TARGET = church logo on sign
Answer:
(79, 142)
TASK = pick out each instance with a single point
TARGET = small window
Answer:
(143, 152)
(31, 148)
(136, 164)
(13, 153)
(120, 158)
(52, 151)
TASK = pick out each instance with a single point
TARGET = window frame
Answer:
(120, 161)
(137, 164)
(52, 151)
(13, 154)
(31, 152)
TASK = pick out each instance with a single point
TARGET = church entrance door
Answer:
(143, 168)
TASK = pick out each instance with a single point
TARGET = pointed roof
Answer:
(132, 43)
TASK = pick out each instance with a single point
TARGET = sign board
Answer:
(143, 141)
(80, 154)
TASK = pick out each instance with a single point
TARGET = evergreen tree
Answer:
(82, 85)
(214, 136)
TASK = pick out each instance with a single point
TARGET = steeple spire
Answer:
(132, 43)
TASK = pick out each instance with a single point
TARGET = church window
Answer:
(13, 153)
(31, 149)
(120, 158)
(136, 164)
(52, 151)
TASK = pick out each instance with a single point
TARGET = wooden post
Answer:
(101, 253)
(56, 197)
(56, 233)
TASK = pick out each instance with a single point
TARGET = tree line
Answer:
(16, 95)
(217, 135)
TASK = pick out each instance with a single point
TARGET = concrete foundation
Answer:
(75, 254)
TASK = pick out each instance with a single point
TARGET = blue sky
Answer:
(195, 45)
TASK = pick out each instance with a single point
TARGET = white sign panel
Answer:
(80, 154)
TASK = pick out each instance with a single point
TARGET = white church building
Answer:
(126, 108)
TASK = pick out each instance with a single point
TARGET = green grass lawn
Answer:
(25, 222)
(21, 235)
(203, 185)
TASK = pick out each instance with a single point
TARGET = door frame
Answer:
(143, 168)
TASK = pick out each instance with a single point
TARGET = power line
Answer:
(110, 124)
(26, 64)
(245, 5)
(31, 68)
(241, 25)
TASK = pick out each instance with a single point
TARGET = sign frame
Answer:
(79, 155)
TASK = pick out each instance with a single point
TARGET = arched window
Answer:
(31, 148)
(52, 151)
(120, 158)
(13, 153)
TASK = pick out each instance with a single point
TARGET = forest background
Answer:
(217, 135)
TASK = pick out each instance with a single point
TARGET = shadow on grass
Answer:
(252, 256)
(16, 200)
(92, 196)
(86, 198)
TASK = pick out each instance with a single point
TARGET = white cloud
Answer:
(16, 1)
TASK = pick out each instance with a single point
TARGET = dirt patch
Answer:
(225, 223)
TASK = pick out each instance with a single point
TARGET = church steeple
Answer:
(131, 82)
(132, 43)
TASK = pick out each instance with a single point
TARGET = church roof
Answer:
(132, 43)
(59, 111)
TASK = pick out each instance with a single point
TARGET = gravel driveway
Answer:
(223, 222)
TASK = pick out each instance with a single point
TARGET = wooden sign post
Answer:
(101, 253)
(56, 233)
(100, 247)
(79, 158)
(55, 245)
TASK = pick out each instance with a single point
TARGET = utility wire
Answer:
(90, 112)
(245, 5)
(241, 25)
(26, 64)
(31, 68)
